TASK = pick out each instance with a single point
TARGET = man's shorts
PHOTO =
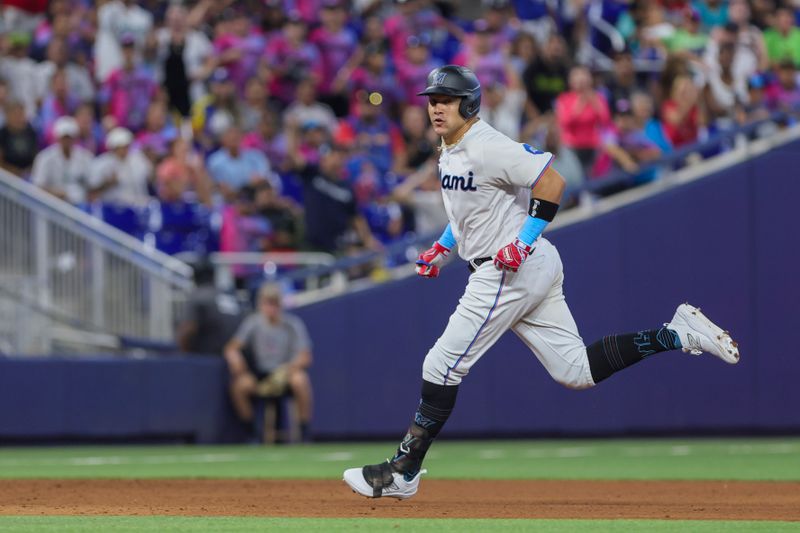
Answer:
(273, 383)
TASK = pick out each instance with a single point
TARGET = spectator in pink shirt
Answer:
(239, 47)
(413, 70)
(497, 15)
(372, 34)
(58, 102)
(372, 76)
(681, 112)
(336, 44)
(70, 24)
(289, 58)
(243, 230)
(43, 33)
(582, 114)
(182, 175)
(158, 132)
(410, 18)
(784, 94)
(308, 10)
(128, 91)
(482, 56)
(270, 139)
(90, 133)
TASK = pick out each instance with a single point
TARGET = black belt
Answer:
(473, 264)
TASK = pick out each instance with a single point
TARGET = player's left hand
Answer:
(511, 256)
(428, 260)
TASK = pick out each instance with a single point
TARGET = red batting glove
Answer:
(511, 256)
(426, 264)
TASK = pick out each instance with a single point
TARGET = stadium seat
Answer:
(184, 227)
(132, 220)
(276, 419)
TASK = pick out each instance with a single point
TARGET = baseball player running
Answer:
(499, 196)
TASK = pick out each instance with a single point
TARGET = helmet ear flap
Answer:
(469, 106)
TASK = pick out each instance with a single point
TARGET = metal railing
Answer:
(25, 327)
(269, 264)
(71, 265)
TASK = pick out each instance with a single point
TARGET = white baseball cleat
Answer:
(698, 334)
(376, 481)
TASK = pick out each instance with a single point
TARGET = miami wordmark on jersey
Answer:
(486, 182)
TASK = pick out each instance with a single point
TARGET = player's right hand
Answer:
(511, 256)
(426, 264)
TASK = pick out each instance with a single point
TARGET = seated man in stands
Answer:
(63, 168)
(281, 355)
(121, 175)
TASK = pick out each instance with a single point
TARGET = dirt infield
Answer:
(436, 499)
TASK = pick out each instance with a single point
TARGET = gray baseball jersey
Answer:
(486, 183)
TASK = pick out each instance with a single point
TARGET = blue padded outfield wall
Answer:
(728, 243)
(108, 398)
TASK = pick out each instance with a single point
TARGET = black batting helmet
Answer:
(454, 80)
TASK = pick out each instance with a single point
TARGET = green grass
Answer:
(246, 525)
(742, 459)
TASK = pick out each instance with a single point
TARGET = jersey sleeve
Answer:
(245, 332)
(301, 340)
(518, 164)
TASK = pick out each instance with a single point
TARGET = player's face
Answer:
(444, 115)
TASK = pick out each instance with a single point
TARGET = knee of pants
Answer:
(576, 383)
(435, 370)
(576, 377)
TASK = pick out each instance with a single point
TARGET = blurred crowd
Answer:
(267, 125)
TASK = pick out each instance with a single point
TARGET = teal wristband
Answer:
(531, 230)
(447, 240)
